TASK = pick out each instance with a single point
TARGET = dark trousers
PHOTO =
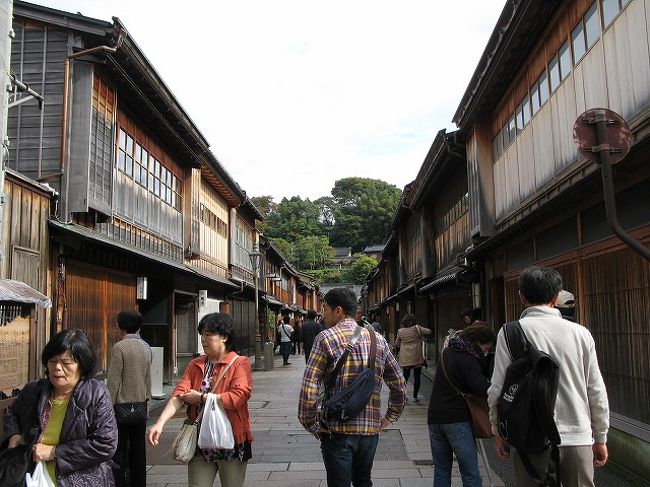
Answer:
(131, 455)
(285, 349)
(417, 373)
(348, 458)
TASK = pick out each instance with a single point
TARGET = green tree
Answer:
(363, 212)
(284, 247)
(294, 218)
(326, 206)
(312, 252)
(357, 272)
(266, 206)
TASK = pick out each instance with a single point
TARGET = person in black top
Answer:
(309, 331)
(450, 427)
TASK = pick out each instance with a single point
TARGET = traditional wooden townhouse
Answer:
(421, 270)
(145, 212)
(535, 200)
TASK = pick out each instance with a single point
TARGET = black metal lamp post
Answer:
(256, 263)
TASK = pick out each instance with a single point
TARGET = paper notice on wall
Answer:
(14, 350)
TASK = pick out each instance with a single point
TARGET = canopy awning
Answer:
(12, 291)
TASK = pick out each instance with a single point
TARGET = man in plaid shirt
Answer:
(348, 448)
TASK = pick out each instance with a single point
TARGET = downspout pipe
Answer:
(601, 121)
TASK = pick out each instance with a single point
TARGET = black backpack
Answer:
(347, 403)
(527, 403)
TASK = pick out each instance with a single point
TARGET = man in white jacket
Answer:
(581, 409)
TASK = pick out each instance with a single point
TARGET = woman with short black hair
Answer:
(233, 393)
(77, 433)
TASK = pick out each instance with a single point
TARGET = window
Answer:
(578, 43)
(592, 25)
(526, 110)
(565, 60)
(512, 129)
(610, 10)
(554, 72)
(519, 118)
(534, 98)
(135, 161)
(543, 89)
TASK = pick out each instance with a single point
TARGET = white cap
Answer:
(565, 300)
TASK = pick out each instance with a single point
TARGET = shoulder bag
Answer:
(347, 403)
(131, 412)
(478, 408)
(184, 445)
(423, 344)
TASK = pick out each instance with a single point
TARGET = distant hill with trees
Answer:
(357, 214)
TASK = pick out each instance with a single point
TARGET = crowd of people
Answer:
(87, 432)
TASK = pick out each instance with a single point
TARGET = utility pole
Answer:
(6, 33)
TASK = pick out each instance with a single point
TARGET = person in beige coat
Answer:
(409, 340)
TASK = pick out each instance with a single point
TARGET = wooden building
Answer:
(534, 199)
(146, 213)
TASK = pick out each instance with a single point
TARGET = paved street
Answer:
(284, 454)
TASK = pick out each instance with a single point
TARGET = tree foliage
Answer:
(363, 212)
(313, 252)
(266, 206)
(294, 218)
(357, 272)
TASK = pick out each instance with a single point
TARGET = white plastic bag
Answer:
(40, 477)
(216, 431)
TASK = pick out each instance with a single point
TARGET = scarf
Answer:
(463, 346)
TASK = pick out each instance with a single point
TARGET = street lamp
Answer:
(256, 262)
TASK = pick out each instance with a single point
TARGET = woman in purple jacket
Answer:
(76, 432)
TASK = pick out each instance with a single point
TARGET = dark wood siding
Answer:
(38, 53)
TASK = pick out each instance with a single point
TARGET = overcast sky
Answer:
(295, 94)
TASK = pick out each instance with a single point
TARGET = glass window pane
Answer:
(120, 160)
(122, 139)
(592, 25)
(543, 89)
(145, 155)
(136, 173)
(526, 110)
(138, 152)
(156, 187)
(129, 166)
(554, 73)
(610, 10)
(534, 98)
(578, 43)
(506, 137)
(519, 117)
(151, 180)
(143, 176)
(625, 2)
(129, 145)
(512, 128)
(565, 60)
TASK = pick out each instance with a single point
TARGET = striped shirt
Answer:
(328, 347)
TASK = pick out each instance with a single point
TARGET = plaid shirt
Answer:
(328, 347)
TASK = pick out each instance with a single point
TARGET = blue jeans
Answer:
(449, 439)
(285, 350)
(348, 458)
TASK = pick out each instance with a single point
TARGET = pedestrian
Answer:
(233, 393)
(296, 338)
(450, 427)
(73, 411)
(409, 341)
(309, 331)
(348, 448)
(286, 331)
(581, 409)
(566, 303)
(129, 381)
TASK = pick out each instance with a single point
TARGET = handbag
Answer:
(478, 408)
(16, 462)
(131, 412)
(347, 403)
(185, 443)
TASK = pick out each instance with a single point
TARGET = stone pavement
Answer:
(284, 454)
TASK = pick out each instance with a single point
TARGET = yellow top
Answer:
(53, 431)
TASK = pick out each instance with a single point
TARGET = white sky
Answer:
(295, 94)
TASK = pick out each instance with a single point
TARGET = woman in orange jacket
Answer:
(233, 393)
